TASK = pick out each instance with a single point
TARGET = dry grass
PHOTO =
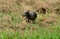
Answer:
(17, 7)
(11, 16)
(11, 5)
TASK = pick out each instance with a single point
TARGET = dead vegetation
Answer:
(48, 21)
(9, 5)
(21, 6)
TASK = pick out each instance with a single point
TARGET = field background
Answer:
(14, 26)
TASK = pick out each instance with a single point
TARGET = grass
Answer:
(9, 35)
(13, 30)
(14, 26)
(41, 33)
(29, 31)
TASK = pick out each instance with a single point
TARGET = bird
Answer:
(30, 15)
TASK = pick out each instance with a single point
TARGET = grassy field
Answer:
(14, 26)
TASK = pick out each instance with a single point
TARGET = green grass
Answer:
(41, 33)
(9, 35)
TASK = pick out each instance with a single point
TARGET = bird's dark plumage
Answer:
(30, 15)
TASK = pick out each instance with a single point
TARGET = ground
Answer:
(14, 26)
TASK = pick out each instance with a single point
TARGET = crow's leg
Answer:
(28, 20)
(34, 21)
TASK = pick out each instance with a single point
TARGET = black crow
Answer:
(30, 15)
